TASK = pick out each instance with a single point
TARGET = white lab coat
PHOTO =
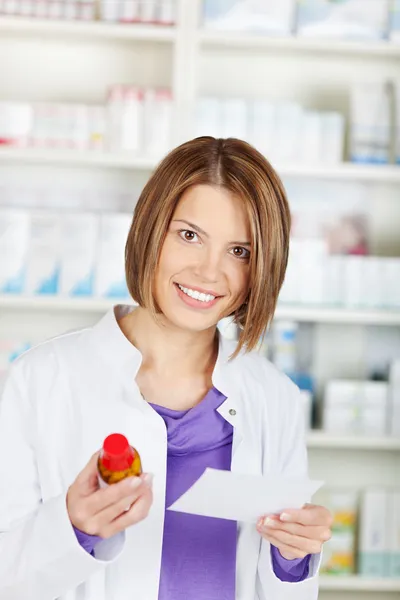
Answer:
(60, 401)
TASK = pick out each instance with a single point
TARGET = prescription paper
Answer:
(242, 497)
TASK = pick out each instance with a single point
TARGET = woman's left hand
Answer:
(297, 533)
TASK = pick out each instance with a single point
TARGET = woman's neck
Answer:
(167, 351)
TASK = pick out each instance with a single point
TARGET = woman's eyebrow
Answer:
(200, 230)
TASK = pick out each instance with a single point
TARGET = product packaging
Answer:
(14, 240)
(373, 538)
(78, 254)
(110, 279)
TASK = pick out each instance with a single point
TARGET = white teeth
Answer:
(197, 295)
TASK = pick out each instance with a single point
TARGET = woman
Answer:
(209, 239)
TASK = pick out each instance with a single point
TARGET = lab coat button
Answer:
(232, 412)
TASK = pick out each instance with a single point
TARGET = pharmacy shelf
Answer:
(357, 583)
(86, 29)
(343, 171)
(112, 160)
(58, 304)
(320, 440)
(221, 39)
(304, 314)
(338, 315)
(76, 158)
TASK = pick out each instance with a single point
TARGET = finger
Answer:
(303, 544)
(113, 494)
(318, 532)
(100, 522)
(309, 515)
(288, 550)
(138, 511)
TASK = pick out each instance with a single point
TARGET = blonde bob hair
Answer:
(239, 168)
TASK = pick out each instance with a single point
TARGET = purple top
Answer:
(199, 553)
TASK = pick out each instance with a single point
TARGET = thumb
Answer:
(87, 479)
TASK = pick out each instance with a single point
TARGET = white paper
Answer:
(242, 497)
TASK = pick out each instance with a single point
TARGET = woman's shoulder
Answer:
(45, 357)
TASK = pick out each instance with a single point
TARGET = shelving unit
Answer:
(86, 29)
(222, 39)
(195, 62)
(295, 313)
(359, 584)
(76, 158)
(108, 160)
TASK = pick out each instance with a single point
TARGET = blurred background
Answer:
(94, 92)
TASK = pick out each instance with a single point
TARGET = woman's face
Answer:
(203, 272)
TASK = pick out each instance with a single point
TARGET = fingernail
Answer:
(285, 517)
(268, 522)
(135, 482)
(148, 479)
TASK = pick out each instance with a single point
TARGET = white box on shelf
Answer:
(309, 140)
(97, 127)
(332, 138)
(354, 281)
(110, 281)
(393, 523)
(334, 280)
(268, 16)
(148, 11)
(359, 19)
(130, 11)
(157, 122)
(208, 117)
(262, 126)
(14, 240)
(355, 407)
(312, 261)
(166, 12)
(16, 120)
(44, 254)
(290, 141)
(370, 127)
(78, 254)
(234, 118)
(373, 545)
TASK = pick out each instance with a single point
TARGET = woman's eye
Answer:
(241, 252)
(188, 235)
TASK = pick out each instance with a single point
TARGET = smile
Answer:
(196, 295)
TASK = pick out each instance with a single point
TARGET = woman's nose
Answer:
(209, 266)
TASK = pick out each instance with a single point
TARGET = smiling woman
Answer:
(213, 220)
(209, 238)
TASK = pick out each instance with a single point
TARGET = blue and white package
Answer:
(258, 16)
(14, 239)
(370, 129)
(110, 271)
(78, 254)
(44, 254)
(354, 19)
(395, 22)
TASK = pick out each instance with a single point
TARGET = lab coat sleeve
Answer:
(40, 557)
(292, 461)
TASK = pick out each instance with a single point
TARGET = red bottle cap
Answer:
(117, 454)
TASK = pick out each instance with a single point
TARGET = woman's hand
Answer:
(297, 533)
(104, 512)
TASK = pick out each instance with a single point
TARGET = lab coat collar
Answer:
(126, 359)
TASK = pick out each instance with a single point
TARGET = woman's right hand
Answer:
(103, 512)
